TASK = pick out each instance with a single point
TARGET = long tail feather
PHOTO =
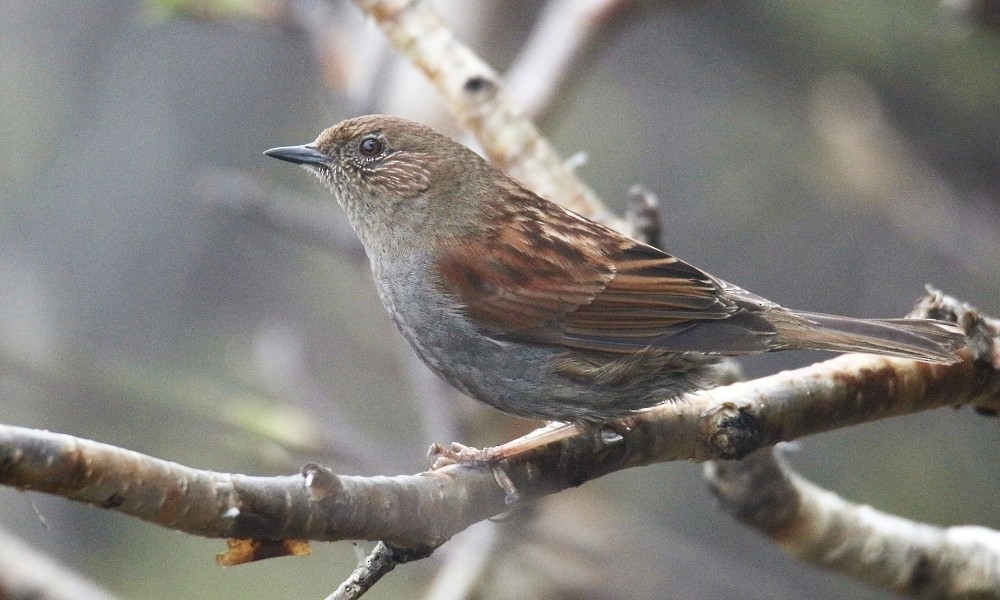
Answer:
(920, 339)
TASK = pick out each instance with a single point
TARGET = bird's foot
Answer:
(460, 454)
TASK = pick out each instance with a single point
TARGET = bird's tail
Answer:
(920, 339)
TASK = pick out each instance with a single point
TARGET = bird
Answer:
(541, 312)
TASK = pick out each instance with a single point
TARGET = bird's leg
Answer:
(460, 454)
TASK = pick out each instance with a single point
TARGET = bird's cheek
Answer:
(411, 211)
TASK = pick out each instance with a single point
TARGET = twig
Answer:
(643, 214)
(382, 559)
(727, 422)
(818, 527)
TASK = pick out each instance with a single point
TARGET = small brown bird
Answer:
(538, 311)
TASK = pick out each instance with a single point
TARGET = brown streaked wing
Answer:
(523, 282)
(651, 293)
(518, 282)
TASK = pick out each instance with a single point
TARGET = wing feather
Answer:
(550, 276)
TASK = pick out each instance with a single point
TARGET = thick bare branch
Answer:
(422, 510)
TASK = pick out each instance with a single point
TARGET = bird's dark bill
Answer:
(299, 155)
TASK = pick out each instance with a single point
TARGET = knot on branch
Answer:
(479, 84)
(982, 332)
(736, 433)
(320, 481)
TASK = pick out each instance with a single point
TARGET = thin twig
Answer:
(382, 559)
(644, 214)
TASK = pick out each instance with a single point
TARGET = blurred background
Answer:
(165, 288)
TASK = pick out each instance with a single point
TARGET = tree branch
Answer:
(821, 528)
(380, 562)
(425, 509)
(818, 527)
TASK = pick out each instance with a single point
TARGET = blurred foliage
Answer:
(209, 9)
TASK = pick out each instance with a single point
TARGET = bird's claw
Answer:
(460, 454)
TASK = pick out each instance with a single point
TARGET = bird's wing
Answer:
(651, 298)
(560, 279)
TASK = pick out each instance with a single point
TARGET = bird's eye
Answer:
(370, 146)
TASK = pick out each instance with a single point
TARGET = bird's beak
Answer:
(299, 155)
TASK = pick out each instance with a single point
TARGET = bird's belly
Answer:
(520, 378)
(515, 378)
